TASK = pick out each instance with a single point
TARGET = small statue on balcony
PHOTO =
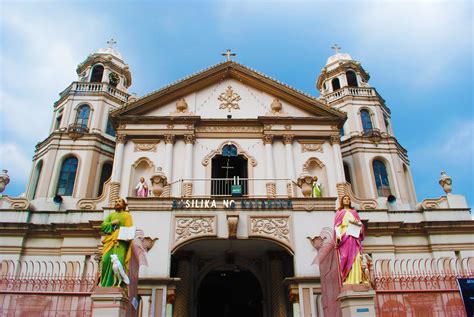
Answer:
(316, 188)
(142, 188)
(115, 248)
(349, 233)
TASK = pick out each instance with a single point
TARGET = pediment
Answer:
(226, 89)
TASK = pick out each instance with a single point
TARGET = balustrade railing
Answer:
(96, 87)
(350, 91)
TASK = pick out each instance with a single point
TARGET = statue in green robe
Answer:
(112, 245)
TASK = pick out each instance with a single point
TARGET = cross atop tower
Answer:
(336, 48)
(111, 42)
(228, 54)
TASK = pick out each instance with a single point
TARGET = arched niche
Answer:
(143, 167)
(315, 167)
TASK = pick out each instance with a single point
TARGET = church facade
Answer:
(243, 174)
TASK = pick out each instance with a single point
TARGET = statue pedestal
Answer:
(357, 300)
(110, 302)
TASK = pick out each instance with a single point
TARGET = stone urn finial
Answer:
(158, 182)
(276, 106)
(4, 180)
(305, 182)
(181, 105)
(446, 182)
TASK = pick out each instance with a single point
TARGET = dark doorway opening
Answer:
(228, 171)
(230, 294)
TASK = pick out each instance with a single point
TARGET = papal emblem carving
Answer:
(229, 99)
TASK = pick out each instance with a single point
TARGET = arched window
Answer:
(104, 176)
(387, 123)
(351, 78)
(36, 177)
(366, 122)
(347, 173)
(229, 150)
(381, 178)
(82, 117)
(67, 177)
(97, 72)
(109, 129)
(335, 84)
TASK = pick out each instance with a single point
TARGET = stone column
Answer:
(169, 142)
(276, 288)
(114, 188)
(338, 164)
(295, 300)
(269, 166)
(290, 164)
(187, 189)
(182, 300)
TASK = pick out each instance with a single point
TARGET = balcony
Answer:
(374, 135)
(350, 91)
(76, 130)
(234, 187)
(95, 88)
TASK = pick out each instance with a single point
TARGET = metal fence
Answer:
(247, 187)
(420, 287)
(47, 288)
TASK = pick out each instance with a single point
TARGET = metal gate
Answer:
(46, 288)
(420, 287)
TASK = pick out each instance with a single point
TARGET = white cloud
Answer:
(424, 38)
(14, 159)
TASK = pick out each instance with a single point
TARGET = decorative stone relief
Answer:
(335, 138)
(276, 108)
(234, 129)
(267, 139)
(277, 228)
(121, 138)
(191, 227)
(288, 138)
(232, 224)
(311, 146)
(189, 138)
(181, 106)
(145, 147)
(169, 138)
(229, 99)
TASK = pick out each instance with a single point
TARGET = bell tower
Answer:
(76, 158)
(376, 166)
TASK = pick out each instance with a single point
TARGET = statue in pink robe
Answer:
(142, 188)
(349, 248)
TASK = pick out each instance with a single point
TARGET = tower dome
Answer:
(109, 51)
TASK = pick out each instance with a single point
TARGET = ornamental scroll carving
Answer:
(227, 129)
(191, 227)
(276, 228)
(145, 147)
(311, 146)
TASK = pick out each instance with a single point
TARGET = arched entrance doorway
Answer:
(227, 277)
(228, 292)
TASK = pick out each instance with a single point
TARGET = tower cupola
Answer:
(339, 72)
(106, 65)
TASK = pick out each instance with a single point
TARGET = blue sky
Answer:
(418, 53)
